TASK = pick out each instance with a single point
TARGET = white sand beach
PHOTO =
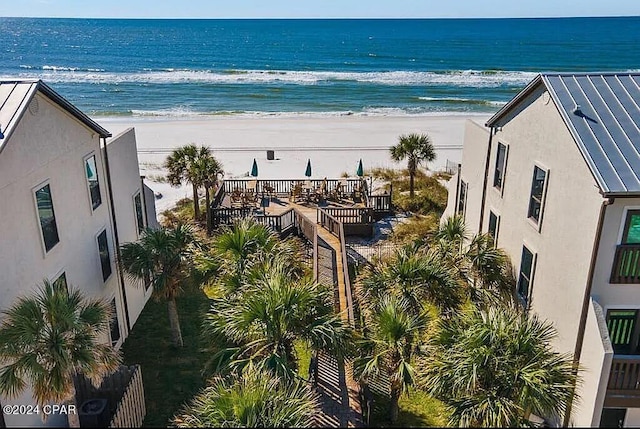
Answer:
(333, 144)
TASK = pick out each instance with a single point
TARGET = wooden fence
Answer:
(356, 221)
(124, 393)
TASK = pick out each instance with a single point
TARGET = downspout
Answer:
(455, 202)
(116, 237)
(586, 300)
(486, 179)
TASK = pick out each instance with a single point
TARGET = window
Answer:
(114, 326)
(137, 203)
(462, 199)
(524, 279)
(92, 180)
(103, 250)
(47, 217)
(632, 228)
(501, 159)
(537, 191)
(623, 327)
(61, 281)
(494, 220)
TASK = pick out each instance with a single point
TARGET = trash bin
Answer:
(270, 155)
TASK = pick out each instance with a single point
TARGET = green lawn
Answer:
(417, 410)
(171, 376)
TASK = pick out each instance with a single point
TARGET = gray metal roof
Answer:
(602, 112)
(15, 96)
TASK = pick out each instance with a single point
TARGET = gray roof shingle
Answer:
(601, 110)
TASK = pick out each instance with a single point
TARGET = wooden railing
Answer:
(345, 273)
(226, 215)
(362, 215)
(625, 374)
(335, 227)
(626, 264)
(283, 186)
(218, 196)
(328, 222)
(309, 231)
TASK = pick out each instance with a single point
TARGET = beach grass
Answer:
(417, 227)
(171, 376)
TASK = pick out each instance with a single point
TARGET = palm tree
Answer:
(415, 148)
(254, 399)
(393, 336)
(48, 338)
(263, 319)
(497, 368)
(415, 274)
(183, 165)
(484, 268)
(206, 171)
(162, 258)
(243, 251)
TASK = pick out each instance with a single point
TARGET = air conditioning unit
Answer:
(94, 413)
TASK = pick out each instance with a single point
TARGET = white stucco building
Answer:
(69, 195)
(555, 177)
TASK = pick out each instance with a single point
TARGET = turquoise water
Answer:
(326, 67)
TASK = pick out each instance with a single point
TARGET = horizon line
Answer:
(326, 18)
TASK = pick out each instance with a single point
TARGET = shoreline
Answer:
(334, 144)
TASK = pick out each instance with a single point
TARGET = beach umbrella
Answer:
(360, 171)
(307, 172)
(254, 169)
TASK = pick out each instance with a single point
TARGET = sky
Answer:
(317, 8)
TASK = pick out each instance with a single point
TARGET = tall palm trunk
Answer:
(196, 203)
(174, 322)
(207, 203)
(394, 407)
(412, 172)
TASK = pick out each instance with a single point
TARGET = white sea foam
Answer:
(464, 100)
(461, 78)
(185, 113)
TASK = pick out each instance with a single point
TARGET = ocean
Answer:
(184, 68)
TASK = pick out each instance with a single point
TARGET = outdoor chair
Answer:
(296, 193)
(250, 199)
(236, 198)
(269, 190)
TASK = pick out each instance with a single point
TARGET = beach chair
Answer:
(250, 199)
(269, 190)
(236, 198)
(296, 193)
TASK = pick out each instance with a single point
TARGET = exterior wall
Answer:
(595, 366)
(614, 295)
(126, 183)
(633, 418)
(50, 147)
(537, 135)
(476, 140)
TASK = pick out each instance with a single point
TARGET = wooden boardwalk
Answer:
(338, 392)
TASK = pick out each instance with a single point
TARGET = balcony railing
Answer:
(623, 389)
(625, 373)
(626, 264)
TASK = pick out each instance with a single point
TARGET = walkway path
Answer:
(339, 404)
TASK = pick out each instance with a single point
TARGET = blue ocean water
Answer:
(334, 67)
